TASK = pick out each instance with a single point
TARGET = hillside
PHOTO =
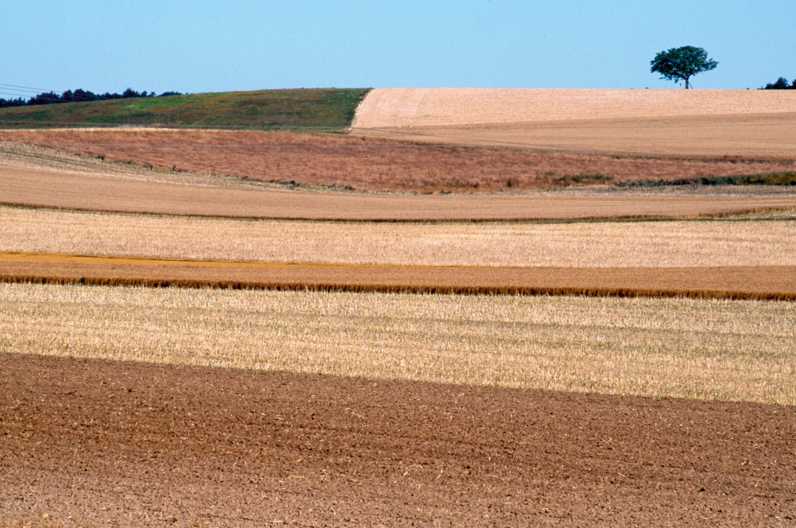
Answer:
(750, 124)
(267, 109)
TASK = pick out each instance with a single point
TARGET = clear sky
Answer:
(215, 46)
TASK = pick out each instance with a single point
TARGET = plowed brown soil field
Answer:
(97, 443)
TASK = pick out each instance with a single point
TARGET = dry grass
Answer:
(578, 244)
(714, 123)
(374, 165)
(710, 350)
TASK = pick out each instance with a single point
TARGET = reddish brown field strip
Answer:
(521, 161)
(62, 190)
(101, 443)
(728, 282)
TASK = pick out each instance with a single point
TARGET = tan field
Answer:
(698, 349)
(670, 244)
(714, 282)
(701, 123)
(603, 369)
(154, 192)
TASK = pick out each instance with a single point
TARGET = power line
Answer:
(24, 88)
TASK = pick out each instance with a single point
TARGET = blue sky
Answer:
(216, 46)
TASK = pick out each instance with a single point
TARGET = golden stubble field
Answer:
(203, 202)
(695, 123)
(685, 348)
(757, 241)
(254, 406)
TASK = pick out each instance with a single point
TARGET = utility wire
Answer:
(24, 88)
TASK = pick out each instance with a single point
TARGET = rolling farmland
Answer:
(261, 325)
(698, 123)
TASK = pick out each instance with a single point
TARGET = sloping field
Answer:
(158, 193)
(345, 162)
(90, 443)
(422, 107)
(269, 441)
(328, 109)
(710, 123)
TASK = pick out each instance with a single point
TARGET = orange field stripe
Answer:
(729, 282)
(58, 258)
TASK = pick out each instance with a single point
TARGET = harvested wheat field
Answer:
(750, 240)
(749, 258)
(700, 349)
(694, 123)
(512, 354)
(397, 107)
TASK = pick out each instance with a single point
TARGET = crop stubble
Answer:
(740, 350)
(677, 243)
(699, 349)
(700, 123)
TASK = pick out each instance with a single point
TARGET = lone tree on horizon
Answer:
(680, 64)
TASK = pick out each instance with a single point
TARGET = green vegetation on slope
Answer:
(268, 109)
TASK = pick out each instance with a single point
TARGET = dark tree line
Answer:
(781, 84)
(78, 96)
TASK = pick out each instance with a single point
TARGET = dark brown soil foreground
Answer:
(112, 193)
(724, 282)
(88, 442)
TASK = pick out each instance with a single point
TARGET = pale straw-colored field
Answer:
(763, 242)
(740, 123)
(421, 107)
(710, 350)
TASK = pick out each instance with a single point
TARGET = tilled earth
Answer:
(87, 442)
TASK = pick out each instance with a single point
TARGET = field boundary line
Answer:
(405, 289)
(719, 282)
(551, 219)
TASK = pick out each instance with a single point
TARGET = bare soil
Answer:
(724, 282)
(366, 164)
(98, 443)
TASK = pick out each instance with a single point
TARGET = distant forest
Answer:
(781, 84)
(78, 96)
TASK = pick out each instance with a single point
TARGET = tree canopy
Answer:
(680, 64)
(781, 84)
(77, 96)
